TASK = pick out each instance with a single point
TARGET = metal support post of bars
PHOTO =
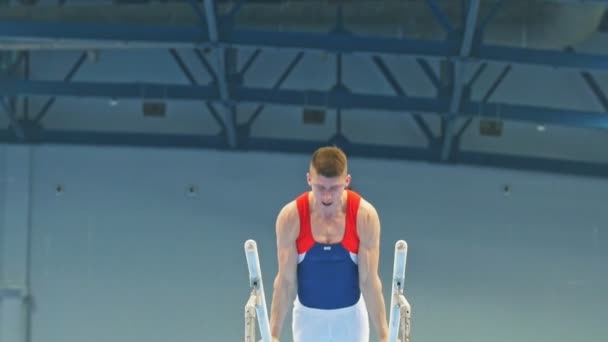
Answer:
(400, 310)
(250, 318)
(256, 304)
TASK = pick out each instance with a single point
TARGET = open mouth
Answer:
(326, 204)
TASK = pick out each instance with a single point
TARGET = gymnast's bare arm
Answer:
(368, 227)
(287, 230)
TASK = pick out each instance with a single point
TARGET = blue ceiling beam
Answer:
(335, 99)
(157, 140)
(340, 43)
(301, 98)
(538, 57)
(109, 90)
(218, 142)
(155, 36)
(209, 20)
(538, 115)
(458, 79)
(23, 31)
(531, 163)
(411, 153)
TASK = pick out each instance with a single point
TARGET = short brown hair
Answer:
(329, 161)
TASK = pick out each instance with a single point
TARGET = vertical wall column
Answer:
(14, 244)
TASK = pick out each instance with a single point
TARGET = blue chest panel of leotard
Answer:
(328, 278)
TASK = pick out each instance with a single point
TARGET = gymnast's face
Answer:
(327, 191)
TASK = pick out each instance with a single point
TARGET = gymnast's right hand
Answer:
(275, 339)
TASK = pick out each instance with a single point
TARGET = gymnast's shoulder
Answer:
(288, 219)
(367, 215)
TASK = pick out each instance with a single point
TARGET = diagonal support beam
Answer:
(428, 71)
(228, 107)
(490, 16)
(497, 82)
(206, 65)
(10, 113)
(50, 102)
(186, 71)
(26, 75)
(593, 85)
(420, 122)
(458, 83)
(235, 9)
(599, 94)
(442, 19)
(250, 62)
(277, 85)
(480, 70)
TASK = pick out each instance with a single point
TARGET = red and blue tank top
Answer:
(328, 274)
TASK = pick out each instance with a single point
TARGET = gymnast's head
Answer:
(328, 176)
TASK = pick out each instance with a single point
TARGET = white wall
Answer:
(125, 254)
